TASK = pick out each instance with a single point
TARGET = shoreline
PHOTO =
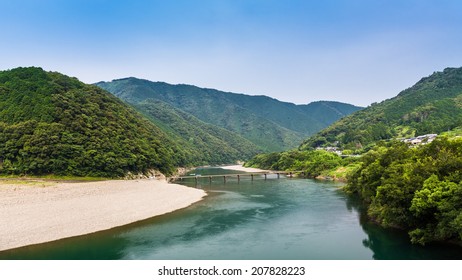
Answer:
(239, 167)
(251, 169)
(37, 211)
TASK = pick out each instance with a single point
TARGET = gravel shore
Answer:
(33, 212)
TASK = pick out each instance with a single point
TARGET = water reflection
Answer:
(393, 244)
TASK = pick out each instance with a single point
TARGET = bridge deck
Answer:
(249, 174)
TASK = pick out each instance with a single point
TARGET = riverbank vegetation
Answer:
(418, 189)
(314, 163)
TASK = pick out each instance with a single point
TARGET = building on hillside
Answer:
(420, 140)
(334, 150)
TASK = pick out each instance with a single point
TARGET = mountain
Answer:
(270, 124)
(53, 124)
(205, 143)
(432, 105)
(328, 112)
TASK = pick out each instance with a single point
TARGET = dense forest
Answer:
(204, 143)
(418, 189)
(432, 105)
(54, 124)
(270, 124)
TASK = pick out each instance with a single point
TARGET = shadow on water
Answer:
(394, 244)
(100, 245)
(103, 245)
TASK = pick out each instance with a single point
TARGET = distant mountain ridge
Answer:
(432, 105)
(270, 124)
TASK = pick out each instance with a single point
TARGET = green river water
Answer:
(261, 219)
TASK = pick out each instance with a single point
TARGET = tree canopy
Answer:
(418, 189)
(54, 124)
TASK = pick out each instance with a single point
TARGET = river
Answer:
(285, 218)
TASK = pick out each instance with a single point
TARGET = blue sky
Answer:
(354, 51)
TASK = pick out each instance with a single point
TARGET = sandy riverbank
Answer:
(34, 212)
(242, 168)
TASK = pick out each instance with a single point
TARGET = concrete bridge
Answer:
(265, 174)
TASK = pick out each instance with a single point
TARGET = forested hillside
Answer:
(53, 124)
(418, 189)
(432, 105)
(268, 123)
(205, 143)
(328, 112)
